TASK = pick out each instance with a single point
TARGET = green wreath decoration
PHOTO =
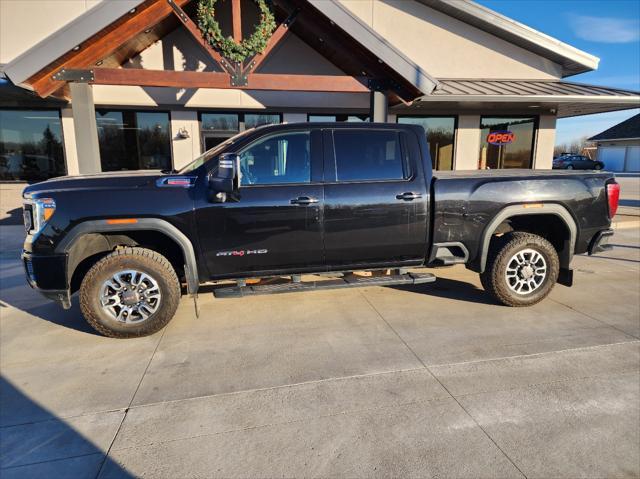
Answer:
(231, 50)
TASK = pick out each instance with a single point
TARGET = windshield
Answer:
(207, 155)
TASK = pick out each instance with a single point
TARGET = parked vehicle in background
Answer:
(293, 199)
(576, 162)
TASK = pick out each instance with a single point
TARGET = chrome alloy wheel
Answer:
(130, 296)
(526, 271)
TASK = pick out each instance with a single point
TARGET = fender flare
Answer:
(525, 210)
(141, 224)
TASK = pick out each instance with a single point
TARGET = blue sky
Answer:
(608, 29)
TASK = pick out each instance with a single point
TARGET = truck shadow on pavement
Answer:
(450, 289)
(37, 443)
(15, 292)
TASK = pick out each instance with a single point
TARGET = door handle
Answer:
(408, 196)
(304, 200)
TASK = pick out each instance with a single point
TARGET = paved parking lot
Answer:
(427, 381)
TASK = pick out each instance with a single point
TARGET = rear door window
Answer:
(369, 155)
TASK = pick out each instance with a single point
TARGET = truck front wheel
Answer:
(521, 269)
(132, 292)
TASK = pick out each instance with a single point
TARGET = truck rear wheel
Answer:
(522, 269)
(132, 292)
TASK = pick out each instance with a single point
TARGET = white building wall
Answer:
(448, 48)
(467, 147)
(184, 149)
(545, 142)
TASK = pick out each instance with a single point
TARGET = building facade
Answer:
(619, 146)
(487, 89)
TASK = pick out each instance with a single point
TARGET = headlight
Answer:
(41, 211)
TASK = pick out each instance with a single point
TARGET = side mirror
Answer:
(227, 178)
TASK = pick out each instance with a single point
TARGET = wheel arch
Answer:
(91, 239)
(515, 214)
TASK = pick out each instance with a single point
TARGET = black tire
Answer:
(598, 166)
(494, 279)
(570, 167)
(139, 259)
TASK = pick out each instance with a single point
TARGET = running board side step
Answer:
(346, 282)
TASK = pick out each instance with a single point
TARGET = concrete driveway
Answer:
(428, 381)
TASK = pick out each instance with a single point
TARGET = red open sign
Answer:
(501, 137)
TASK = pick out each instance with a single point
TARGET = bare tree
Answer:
(579, 146)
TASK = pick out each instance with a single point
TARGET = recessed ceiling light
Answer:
(147, 30)
(133, 10)
(98, 63)
(76, 48)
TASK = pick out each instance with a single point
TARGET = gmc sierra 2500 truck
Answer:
(294, 199)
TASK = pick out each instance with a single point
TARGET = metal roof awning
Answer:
(566, 98)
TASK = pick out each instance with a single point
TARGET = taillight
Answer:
(613, 195)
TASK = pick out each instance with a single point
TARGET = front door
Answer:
(274, 222)
(375, 199)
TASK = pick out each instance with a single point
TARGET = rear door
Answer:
(274, 223)
(375, 198)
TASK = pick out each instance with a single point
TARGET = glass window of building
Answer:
(216, 127)
(30, 145)
(134, 140)
(277, 159)
(506, 142)
(441, 131)
(353, 118)
(253, 120)
(378, 155)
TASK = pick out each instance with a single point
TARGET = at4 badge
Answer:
(242, 252)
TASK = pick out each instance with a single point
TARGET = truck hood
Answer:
(116, 179)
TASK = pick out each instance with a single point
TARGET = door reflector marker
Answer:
(122, 221)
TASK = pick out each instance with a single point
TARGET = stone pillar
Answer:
(85, 128)
(185, 149)
(70, 147)
(545, 142)
(379, 106)
(467, 150)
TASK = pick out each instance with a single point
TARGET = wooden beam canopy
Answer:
(136, 30)
(256, 81)
(103, 43)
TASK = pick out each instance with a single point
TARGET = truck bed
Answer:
(464, 202)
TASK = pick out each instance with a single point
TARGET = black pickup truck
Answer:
(288, 200)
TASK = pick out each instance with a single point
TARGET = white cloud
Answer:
(606, 29)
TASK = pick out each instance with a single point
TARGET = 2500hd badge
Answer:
(242, 252)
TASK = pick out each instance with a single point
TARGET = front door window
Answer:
(278, 159)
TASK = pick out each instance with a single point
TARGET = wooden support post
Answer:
(236, 13)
